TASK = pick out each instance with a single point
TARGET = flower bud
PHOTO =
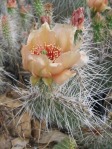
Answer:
(11, 4)
(77, 18)
(45, 19)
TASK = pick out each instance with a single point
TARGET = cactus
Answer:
(64, 8)
(67, 143)
(70, 106)
(38, 7)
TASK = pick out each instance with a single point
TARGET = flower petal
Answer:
(83, 59)
(41, 37)
(38, 65)
(25, 54)
(46, 35)
(63, 76)
(68, 59)
(65, 36)
(33, 39)
(55, 68)
(64, 61)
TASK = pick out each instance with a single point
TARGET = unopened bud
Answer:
(77, 18)
(45, 19)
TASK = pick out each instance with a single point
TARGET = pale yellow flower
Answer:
(51, 53)
(98, 5)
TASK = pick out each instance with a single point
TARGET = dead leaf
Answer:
(37, 128)
(19, 143)
(12, 94)
(52, 136)
(5, 142)
(8, 102)
(6, 120)
(17, 147)
(23, 125)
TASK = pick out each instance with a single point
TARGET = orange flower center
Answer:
(51, 51)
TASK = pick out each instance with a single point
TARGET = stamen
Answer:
(51, 51)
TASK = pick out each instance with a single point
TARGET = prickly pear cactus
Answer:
(78, 105)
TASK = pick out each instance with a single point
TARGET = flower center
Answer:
(51, 51)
